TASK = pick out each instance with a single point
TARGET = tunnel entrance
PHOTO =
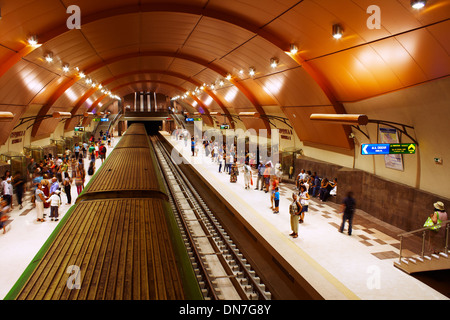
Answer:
(152, 127)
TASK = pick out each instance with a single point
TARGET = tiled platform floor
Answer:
(25, 236)
(337, 265)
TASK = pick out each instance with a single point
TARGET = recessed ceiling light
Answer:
(49, 57)
(293, 49)
(274, 62)
(32, 41)
(337, 31)
(418, 4)
(251, 71)
(66, 67)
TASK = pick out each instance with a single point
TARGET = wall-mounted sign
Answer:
(79, 129)
(388, 148)
(17, 134)
(224, 126)
(104, 119)
(189, 119)
(402, 148)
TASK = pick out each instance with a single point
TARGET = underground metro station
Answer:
(225, 150)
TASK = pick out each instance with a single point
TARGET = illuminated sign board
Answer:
(225, 126)
(386, 148)
(79, 129)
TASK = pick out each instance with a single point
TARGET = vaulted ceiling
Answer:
(173, 47)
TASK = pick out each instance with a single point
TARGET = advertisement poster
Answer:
(392, 161)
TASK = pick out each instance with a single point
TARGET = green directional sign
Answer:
(388, 148)
(402, 148)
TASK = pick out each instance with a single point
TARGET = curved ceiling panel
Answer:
(204, 40)
(24, 82)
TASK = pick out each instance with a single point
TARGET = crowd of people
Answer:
(268, 178)
(51, 178)
(309, 185)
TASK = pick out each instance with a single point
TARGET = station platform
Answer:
(336, 265)
(25, 236)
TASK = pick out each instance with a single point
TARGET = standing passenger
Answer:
(294, 210)
(276, 197)
(40, 199)
(260, 178)
(348, 210)
(247, 175)
(4, 209)
(67, 187)
(304, 201)
(19, 184)
(55, 202)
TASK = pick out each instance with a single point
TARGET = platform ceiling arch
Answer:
(224, 37)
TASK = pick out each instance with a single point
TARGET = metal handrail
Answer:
(424, 230)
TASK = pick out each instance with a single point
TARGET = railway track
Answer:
(222, 271)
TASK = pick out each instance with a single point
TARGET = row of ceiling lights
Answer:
(32, 41)
(337, 32)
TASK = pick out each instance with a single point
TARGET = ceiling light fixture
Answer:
(274, 62)
(63, 115)
(6, 116)
(251, 71)
(228, 77)
(66, 67)
(337, 31)
(81, 74)
(293, 49)
(418, 4)
(33, 41)
(49, 57)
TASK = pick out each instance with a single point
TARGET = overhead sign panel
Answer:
(402, 148)
(386, 148)
(371, 149)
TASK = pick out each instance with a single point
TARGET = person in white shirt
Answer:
(55, 202)
(304, 201)
(7, 191)
(247, 175)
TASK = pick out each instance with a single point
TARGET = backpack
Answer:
(90, 171)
